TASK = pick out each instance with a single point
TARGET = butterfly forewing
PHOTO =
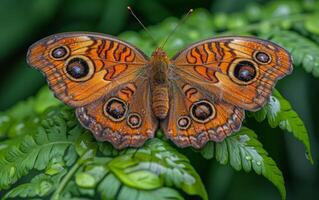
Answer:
(240, 70)
(80, 67)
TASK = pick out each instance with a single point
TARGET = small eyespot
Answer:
(202, 111)
(183, 122)
(60, 53)
(243, 72)
(115, 108)
(134, 120)
(262, 57)
(79, 68)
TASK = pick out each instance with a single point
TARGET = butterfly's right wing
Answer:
(82, 67)
(104, 79)
(123, 116)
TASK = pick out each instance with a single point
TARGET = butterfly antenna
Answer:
(175, 28)
(139, 21)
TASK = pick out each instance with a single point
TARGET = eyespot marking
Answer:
(115, 109)
(79, 68)
(243, 71)
(202, 111)
(183, 122)
(262, 57)
(59, 53)
(134, 120)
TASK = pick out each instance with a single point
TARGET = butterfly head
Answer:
(160, 55)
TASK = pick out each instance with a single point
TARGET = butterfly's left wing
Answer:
(240, 70)
(215, 80)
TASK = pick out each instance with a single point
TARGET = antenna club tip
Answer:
(129, 7)
(191, 10)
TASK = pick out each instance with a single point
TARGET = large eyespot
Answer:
(79, 68)
(262, 57)
(134, 120)
(115, 108)
(183, 122)
(202, 111)
(243, 72)
(59, 53)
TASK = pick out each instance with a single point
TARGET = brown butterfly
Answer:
(122, 95)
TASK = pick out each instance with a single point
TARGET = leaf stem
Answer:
(66, 179)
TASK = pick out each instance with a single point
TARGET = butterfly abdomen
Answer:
(159, 83)
(160, 101)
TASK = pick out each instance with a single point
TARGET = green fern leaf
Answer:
(35, 150)
(279, 112)
(22, 117)
(155, 165)
(242, 150)
(40, 186)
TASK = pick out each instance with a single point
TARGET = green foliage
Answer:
(279, 112)
(22, 116)
(69, 164)
(242, 150)
(45, 153)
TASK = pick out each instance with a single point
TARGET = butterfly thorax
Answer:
(158, 66)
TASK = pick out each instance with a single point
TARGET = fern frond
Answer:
(279, 113)
(242, 150)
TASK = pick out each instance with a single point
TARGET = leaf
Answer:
(22, 117)
(41, 185)
(157, 164)
(36, 150)
(242, 150)
(111, 186)
(279, 112)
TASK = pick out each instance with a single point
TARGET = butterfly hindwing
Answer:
(123, 116)
(195, 117)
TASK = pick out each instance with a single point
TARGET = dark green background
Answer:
(23, 22)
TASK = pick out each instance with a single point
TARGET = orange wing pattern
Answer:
(213, 81)
(195, 117)
(240, 70)
(105, 79)
(123, 116)
(210, 84)
(81, 67)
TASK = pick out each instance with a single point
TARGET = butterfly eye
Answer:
(243, 72)
(262, 57)
(202, 111)
(134, 120)
(60, 53)
(115, 109)
(183, 122)
(79, 68)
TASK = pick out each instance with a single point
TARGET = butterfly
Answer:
(122, 96)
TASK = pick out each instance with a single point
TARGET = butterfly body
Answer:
(123, 96)
(159, 72)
